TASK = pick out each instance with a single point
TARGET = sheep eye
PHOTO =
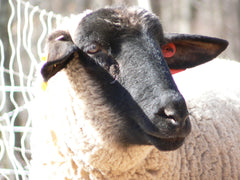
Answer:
(94, 48)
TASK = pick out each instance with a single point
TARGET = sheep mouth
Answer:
(169, 142)
(166, 139)
(165, 144)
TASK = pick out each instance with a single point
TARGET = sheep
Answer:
(113, 111)
(213, 100)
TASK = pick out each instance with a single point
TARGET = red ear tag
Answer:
(175, 71)
(168, 50)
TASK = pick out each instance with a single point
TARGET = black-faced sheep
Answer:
(111, 104)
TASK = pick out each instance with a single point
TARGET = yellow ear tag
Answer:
(44, 57)
(44, 86)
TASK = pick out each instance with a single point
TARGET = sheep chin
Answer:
(166, 144)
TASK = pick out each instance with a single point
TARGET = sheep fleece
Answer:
(66, 146)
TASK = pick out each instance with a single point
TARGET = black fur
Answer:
(144, 94)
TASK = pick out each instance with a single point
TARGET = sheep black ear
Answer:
(60, 48)
(183, 51)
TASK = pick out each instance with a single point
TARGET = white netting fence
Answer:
(26, 28)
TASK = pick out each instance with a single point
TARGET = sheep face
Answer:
(120, 49)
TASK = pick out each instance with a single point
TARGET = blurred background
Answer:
(220, 18)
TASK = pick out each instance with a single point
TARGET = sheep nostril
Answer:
(167, 117)
(173, 117)
(172, 122)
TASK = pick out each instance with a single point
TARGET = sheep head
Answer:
(124, 51)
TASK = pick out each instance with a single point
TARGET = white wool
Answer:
(217, 75)
(211, 151)
(71, 23)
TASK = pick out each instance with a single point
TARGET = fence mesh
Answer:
(23, 30)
